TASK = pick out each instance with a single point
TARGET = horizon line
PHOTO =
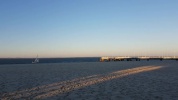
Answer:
(80, 57)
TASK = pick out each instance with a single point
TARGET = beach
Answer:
(122, 80)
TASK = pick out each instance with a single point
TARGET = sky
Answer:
(88, 28)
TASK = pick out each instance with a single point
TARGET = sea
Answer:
(47, 60)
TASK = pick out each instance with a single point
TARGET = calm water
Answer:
(47, 60)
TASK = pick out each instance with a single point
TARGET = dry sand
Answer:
(135, 80)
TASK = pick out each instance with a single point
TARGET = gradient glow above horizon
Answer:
(88, 28)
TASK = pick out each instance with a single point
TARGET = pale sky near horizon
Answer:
(88, 28)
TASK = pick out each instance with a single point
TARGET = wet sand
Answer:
(135, 80)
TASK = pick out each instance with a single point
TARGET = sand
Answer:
(135, 80)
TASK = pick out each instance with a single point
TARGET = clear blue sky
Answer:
(87, 28)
